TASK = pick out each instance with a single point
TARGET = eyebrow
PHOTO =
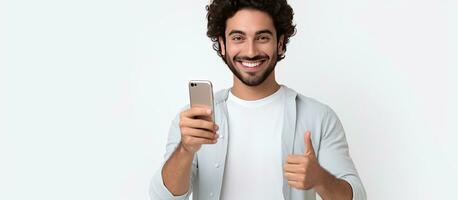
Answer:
(257, 32)
(264, 31)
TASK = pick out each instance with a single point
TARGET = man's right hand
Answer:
(197, 128)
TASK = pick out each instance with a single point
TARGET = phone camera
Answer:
(193, 84)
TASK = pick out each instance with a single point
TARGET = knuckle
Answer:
(209, 125)
(288, 159)
(203, 111)
(183, 114)
(304, 169)
(303, 178)
(198, 132)
(201, 124)
(185, 130)
(198, 110)
(304, 159)
(194, 111)
(307, 159)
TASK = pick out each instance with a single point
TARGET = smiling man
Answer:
(267, 141)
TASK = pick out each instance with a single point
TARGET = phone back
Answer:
(201, 93)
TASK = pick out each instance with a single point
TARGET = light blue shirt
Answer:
(301, 114)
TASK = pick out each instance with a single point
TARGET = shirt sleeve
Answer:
(334, 155)
(158, 190)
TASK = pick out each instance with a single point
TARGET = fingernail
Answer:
(209, 111)
(216, 127)
(216, 136)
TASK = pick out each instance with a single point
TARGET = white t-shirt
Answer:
(253, 164)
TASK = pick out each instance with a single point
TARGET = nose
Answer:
(252, 50)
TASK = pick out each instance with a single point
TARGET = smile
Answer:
(250, 66)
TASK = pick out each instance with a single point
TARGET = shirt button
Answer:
(221, 136)
(217, 165)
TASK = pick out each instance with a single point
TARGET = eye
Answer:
(263, 38)
(237, 38)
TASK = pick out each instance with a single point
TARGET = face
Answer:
(251, 48)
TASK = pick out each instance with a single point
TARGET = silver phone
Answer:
(201, 93)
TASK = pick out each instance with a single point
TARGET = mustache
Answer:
(258, 57)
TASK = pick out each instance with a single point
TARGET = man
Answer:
(267, 142)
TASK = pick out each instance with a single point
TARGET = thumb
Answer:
(308, 144)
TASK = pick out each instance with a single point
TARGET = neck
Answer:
(245, 92)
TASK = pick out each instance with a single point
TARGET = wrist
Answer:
(184, 151)
(324, 179)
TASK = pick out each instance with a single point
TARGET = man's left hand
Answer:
(303, 171)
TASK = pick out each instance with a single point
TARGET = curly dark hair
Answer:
(220, 10)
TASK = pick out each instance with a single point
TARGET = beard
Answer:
(253, 78)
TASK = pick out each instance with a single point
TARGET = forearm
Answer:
(331, 188)
(177, 171)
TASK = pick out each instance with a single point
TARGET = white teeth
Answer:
(251, 64)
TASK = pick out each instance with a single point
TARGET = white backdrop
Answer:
(88, 90)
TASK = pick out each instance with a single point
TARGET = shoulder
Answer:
(311, 105)
(313, 113)
(307, 104)
(221, 95)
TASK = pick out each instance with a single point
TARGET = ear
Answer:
(221, 45)
(280, 43)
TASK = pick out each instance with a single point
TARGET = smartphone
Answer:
(201, 94)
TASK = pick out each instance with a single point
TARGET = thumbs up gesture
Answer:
(303, 171)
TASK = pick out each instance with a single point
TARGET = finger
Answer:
(295, 177)
(308, 143)
(198, 141)
(200, 133)
(198, 123)
(296, 159)
(295, 184)
(197, 111)
(201, 106)
(294, 168)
